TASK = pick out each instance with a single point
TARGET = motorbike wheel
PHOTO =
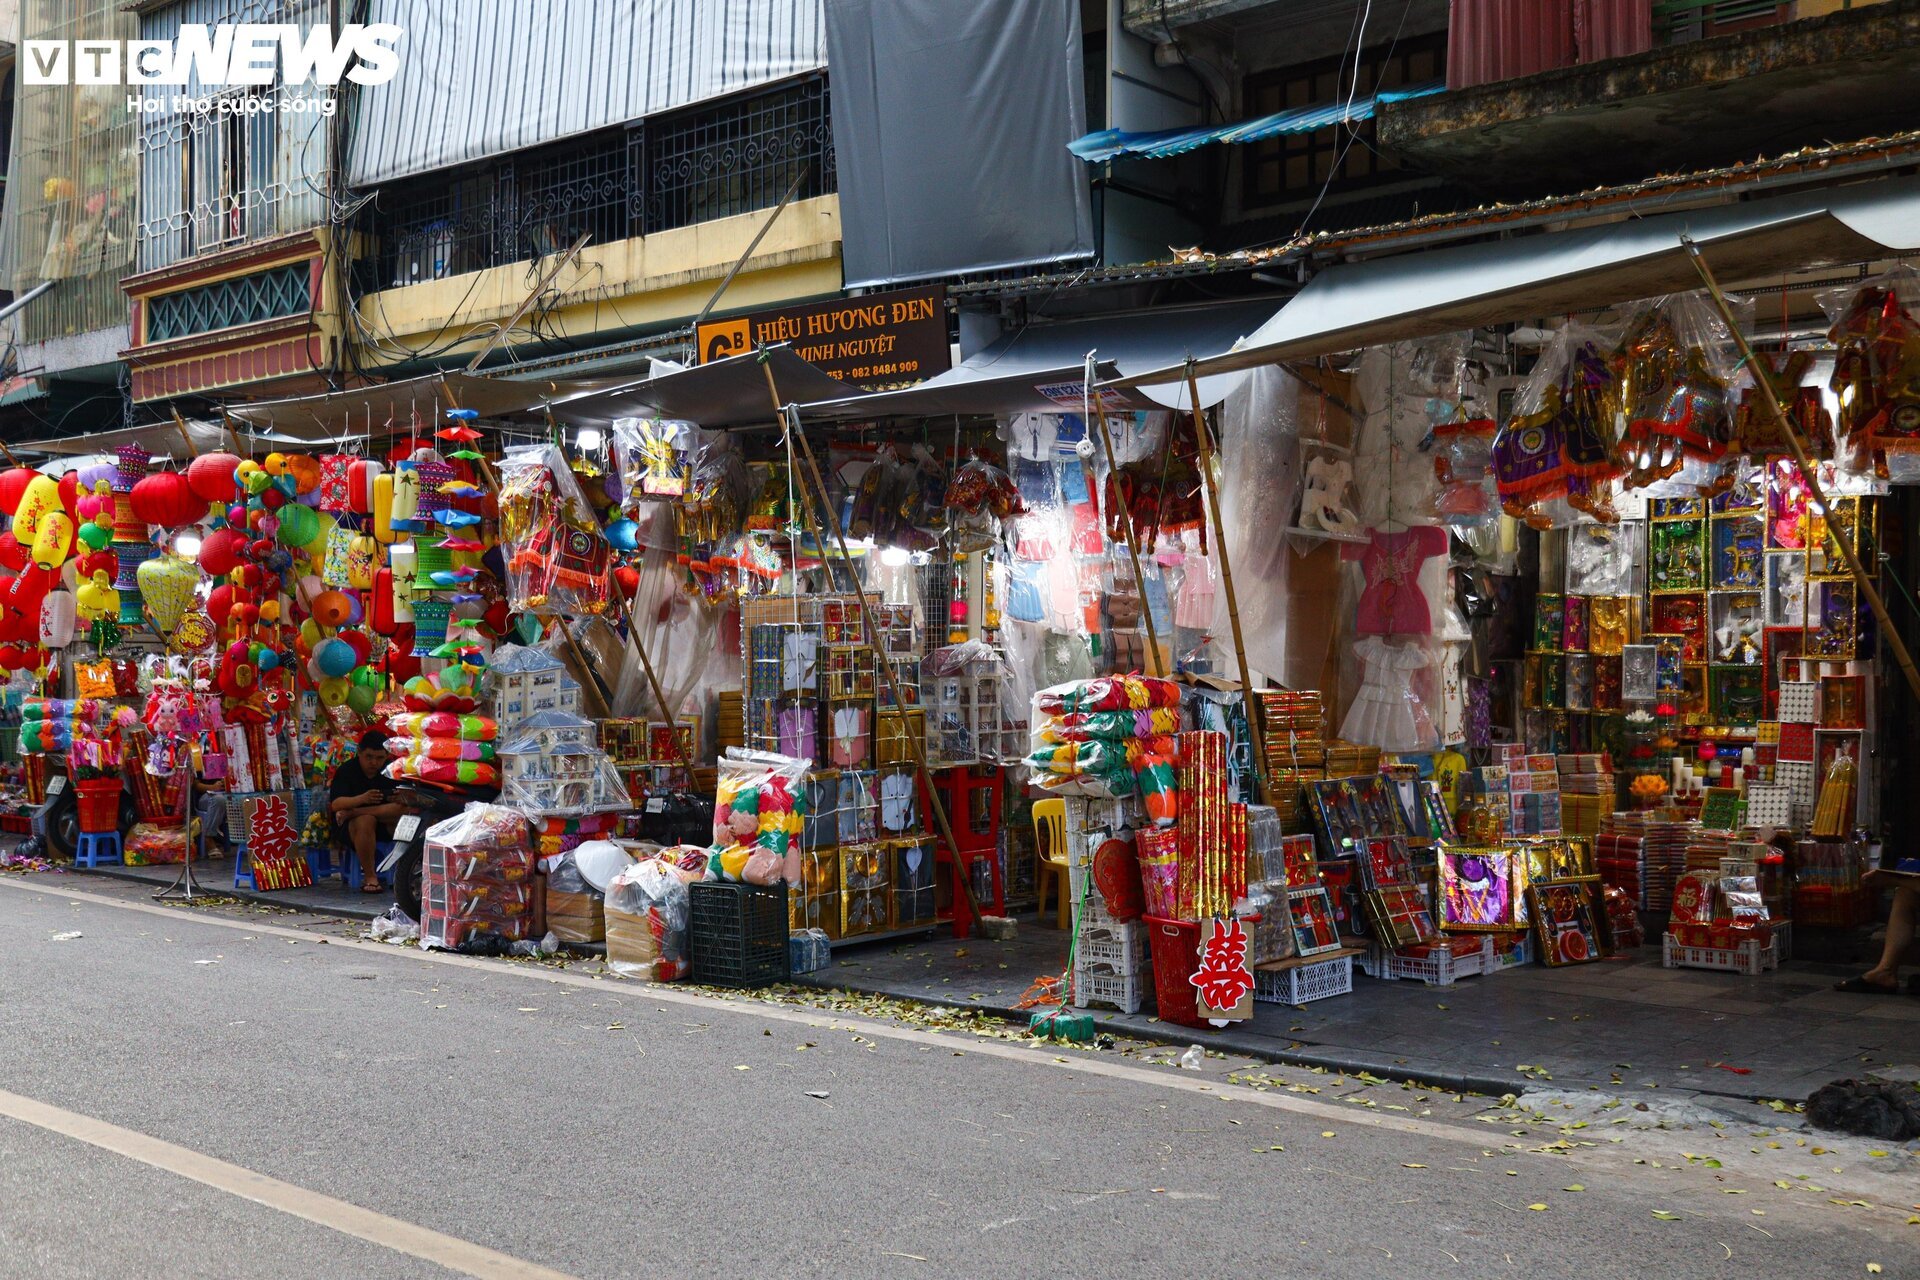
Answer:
(63, 826)
(406, 881)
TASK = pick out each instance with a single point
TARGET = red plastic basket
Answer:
(1176, 954)
(99, 800)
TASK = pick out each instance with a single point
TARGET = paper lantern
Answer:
(13, 487)
(220, 604)
(361, 644)
(58, 613)
(429, 625)
(331, 608)
(42, 495)
(220, 552)
(13, 555)
(305, 472)
(297, 526)
(334, 657)
(387, 491)
(53, 540)
(211, 476)
(167, 585)
(168, 500)
(360, 479)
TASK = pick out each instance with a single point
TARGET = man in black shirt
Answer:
(362, 804)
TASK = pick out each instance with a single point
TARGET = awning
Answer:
(162, 440)
(1108, 144)
(389, 406)
(1040, 367)
(723, 393)
(1435, 291)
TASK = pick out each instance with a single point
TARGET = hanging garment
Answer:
(1193, 605)
(1392, 602)
(1386, 713)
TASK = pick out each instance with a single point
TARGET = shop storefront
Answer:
(1392, 638)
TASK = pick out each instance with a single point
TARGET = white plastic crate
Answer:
(1439, 969)
(1122, 991)
(1314, 980)
(1116, 948)
(1749, 957)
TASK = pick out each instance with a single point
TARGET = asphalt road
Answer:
(594, 1127)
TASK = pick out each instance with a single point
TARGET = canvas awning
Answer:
(1109, 144)
(1040, 367)
(1435, 291)
(162, 440)
(388, 406)
(722, 393)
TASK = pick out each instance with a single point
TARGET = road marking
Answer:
(1081, 1063)
(458, 1255)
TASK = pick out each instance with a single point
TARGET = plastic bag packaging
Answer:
(646, 917)
(1672, 373)
(979, 496)
(1554, 458)
(474, 878)
(1462, 452)
(653, 458)
(393, 925)
(1107, 693)
(557, 558)
(1876, 363)
(575, 912)
(759, 806)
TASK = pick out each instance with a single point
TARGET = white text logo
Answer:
(245, 54)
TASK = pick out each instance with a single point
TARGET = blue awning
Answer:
(1109, 143)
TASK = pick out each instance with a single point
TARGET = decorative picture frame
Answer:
(1476, 890)
(1314, 930)
(1399, 916)
(1566, 922)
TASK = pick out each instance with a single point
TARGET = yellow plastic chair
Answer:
(1050, 856)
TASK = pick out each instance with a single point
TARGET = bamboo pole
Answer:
(962, 885)
(653, 681)
(181, 423)
(1209, 481)
(1154, 659)
(1791, 434)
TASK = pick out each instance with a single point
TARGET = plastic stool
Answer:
(320, 861)
(350, 865)
(242, 868)
(98, 849)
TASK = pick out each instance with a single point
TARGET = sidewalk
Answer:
(215, 876)
(1621, 1023)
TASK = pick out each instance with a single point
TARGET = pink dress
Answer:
(1392, 603)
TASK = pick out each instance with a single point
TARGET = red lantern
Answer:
(360, 478)
(361, 644)
(13, 487)
(220, 552)
(70, 491)
(210, 476)
(628, 579)
(167, 499)
(12, 554)
(220, 604)
(380, 603)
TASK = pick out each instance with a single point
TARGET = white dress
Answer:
(1387, 713)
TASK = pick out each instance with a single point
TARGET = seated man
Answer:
(360, 800)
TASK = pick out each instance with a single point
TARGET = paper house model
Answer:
(551, 730)
(571, 778)
(525, 682)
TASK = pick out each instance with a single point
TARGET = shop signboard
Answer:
(875, 341)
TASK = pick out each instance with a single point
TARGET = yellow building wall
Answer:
(648, 280)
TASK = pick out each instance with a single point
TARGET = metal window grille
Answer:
(740, 156)
(722, 159)
(265, 295)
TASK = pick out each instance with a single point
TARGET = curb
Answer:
(244, 895)
(1170, 1034)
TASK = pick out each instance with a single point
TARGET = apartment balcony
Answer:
(1561, 97)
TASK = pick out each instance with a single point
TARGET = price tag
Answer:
(404, 828)
(656, 804)
(55, 786)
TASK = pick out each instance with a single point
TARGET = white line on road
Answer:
(415, 1241)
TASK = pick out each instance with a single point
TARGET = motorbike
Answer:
(430, 803)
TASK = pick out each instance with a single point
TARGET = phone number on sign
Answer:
(901, 369)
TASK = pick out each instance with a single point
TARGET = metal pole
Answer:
(1133, 539)
(885, 664)
(1209, 481)
(1791, 434)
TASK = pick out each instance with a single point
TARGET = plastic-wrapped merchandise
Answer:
(1462, 452)
(1673, 368)
(1108, 693)
(575, 909)
(1555, 455)
(476, 875)
(1876, 368)
(557, 558)
(759, 813)
(646, 920)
